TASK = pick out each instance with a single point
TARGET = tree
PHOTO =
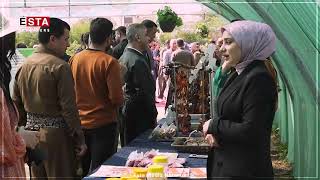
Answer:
(202, 32)
(73, 47)
(190, 37)
(27, 38)
(78, 29)
(164, 37)
(214, 23)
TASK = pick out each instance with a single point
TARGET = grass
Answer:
(281, 166)
(26, 52)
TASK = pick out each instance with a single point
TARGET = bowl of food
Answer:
(164, 132)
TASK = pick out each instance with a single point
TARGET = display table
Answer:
(142, 143)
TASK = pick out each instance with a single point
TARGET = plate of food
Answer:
(196, 145)
(144, 159)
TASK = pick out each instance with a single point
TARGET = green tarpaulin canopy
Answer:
(296, 24)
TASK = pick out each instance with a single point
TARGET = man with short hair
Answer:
(167, 59)
(197, 53)
(152, 29)
(121, 40)
(168, 54)
(98, 94)
(183, 56)
(45, 97)
(139, 109)
(162, 79)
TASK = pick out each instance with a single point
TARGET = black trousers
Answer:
(139, 115)
(100, 142)
(121, 128)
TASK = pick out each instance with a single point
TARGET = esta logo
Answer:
(36, 21)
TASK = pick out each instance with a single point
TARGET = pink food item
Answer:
(136, 162)
(130, 163)
(136, 159)
(175, 165)
(151, 154)
(145, 162)
(180, 160)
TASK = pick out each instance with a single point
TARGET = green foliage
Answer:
(28, 38)
(202, 29)
(168, 15)
(189, 36)
(26, 52)
(78, 29)
(213, 23)
(164, 37)
(31, 38)
(73, 47)
(281, 147)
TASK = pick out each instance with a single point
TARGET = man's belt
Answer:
(35, 121)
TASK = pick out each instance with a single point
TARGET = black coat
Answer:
(139, 110)
(246, 108)
(119, 49)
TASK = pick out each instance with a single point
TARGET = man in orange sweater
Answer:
(98, 94)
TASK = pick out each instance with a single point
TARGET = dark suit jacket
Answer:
(139, 110)
(119, 48)
(246, 108)
(138, 75)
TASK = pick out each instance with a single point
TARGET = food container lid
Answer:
(127, 177)
(160, 159)
(140, 171)
(155, 169)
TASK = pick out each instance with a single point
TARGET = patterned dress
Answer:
(12, 146)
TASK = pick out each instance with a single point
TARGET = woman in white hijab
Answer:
(240, 133)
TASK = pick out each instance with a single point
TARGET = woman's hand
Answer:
(205, 127)
(31, 138)
(212, 140)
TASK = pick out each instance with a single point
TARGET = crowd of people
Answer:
(73, 109)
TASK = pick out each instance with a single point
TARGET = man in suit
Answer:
(139, 111)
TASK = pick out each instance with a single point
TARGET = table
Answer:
(143, 143)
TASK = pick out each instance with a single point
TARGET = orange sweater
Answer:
(97, 85)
